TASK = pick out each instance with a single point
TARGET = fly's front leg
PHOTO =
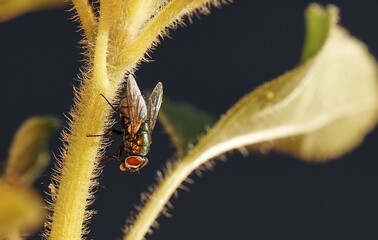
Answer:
(115, 109)
(107, 133)
(120, 150)
(118, 132)
(117, 158)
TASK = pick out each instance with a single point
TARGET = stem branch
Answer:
(87, 18)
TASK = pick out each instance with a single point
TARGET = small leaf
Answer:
(183, 123)
(318, 111)
(28, 155)
(21, 209)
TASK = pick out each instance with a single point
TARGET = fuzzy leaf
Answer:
(318, 111)
(21, 209)
(29, 155)
(183, 123)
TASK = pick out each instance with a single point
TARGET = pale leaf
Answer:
(318, 111)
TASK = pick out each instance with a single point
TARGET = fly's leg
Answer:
(120, 150)
(118, 132)
(109, 158)
(111, 105)
(108, 133)
(117, 158)
(97, 135)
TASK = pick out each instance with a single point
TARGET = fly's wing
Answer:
(154, 103)
(136, 105)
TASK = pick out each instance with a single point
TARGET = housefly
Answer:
(137, 120)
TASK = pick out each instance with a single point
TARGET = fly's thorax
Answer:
(125, 121)
(124, 107)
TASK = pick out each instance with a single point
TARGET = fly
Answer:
(137, 120)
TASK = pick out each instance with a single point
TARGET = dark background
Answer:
(211, 64)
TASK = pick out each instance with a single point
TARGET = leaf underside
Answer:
(319, 110)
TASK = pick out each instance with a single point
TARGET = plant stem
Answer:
(15, 235)
(87, 18)
(79, 168)
(89, 116)
(171, 13)
(164, 191)
(79, 161)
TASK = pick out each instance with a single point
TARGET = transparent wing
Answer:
(154, 103)
(136, 105)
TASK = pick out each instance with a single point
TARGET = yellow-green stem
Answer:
(136, 50)
(78, 168)
(100, 71)
(87, 18)
(15, 235)
(89, 117)
(165, 189)
(79, 162)
(171, 13)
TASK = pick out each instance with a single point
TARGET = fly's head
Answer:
(133, 163)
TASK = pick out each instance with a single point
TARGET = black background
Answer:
(211, 64)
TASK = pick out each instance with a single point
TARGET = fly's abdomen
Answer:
(143, 142)
(139, 146)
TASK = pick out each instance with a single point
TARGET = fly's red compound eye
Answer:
(133, 163)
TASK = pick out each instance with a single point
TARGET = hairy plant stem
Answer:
(89, 116)
(171, 182)
(87, 18)
(79, 161)
(15, 235)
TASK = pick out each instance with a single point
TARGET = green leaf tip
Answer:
(318, 22)
(29, 155)
(183, 123)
